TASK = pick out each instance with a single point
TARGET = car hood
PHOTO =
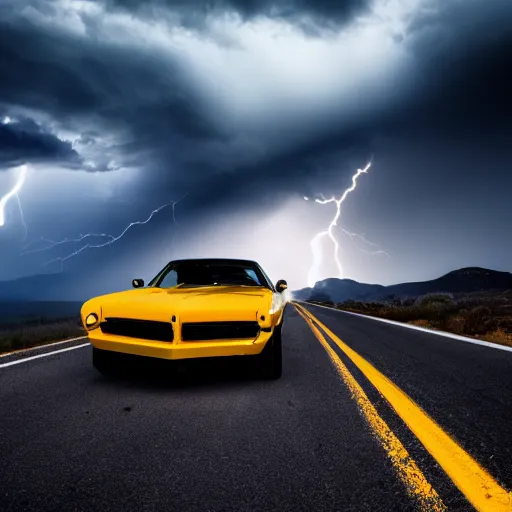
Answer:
(204, 304)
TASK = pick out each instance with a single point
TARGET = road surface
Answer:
(333, 434)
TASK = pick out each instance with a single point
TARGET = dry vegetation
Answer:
(481, 315)
(38, 331)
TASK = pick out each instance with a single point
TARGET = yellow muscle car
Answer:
(193, 308)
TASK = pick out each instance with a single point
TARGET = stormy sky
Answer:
(239, 109)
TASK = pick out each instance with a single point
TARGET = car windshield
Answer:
(193, 273)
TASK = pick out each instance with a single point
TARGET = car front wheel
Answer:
(103, 360)
(270, 361)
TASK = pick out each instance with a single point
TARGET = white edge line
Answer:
(39, 347)
(46, 354)
(417, 328)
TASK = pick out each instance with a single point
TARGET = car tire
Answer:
(270, 361)
(102, 360)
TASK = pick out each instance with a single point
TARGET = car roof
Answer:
(226, 261)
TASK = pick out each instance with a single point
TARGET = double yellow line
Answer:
(481, 490)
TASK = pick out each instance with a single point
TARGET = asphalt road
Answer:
(216, 439)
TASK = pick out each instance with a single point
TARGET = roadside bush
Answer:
(478, 320)
(348, 304)
(436, 308)
(505, 323)
(403, 314)
(483, 314)
(455, 324)
(421, 323)
(499, 336)
(446, 298)
(26, 336)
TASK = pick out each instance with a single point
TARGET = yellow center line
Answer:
(479, 487)
(416, 484)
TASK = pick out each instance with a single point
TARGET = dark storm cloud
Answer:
(131, 89)
(459, 76)
(42, 72)
(461, 99)
(463, 55)
(114, 88)
(327, 160)
(23, 141)
(71, 77)
(308, 14)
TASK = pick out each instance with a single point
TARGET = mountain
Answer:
(464, 280)
(38, 287)
(340, 290)
(80, 287)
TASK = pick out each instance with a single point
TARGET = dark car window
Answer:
(170, 280)
(191, 273)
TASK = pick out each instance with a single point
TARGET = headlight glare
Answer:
(277, 302)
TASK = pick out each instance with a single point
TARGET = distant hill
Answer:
(78, 287)
(464, 280)
(340, 290)
(56, 287)
(20, 311)
(41, 287)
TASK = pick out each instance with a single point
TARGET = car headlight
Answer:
(277, 302)
(91, 320)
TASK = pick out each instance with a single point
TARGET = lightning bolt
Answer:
(22, 216)
(14, 193)
(313, 275)
(360, 236)
(110, 239)
(52, 243)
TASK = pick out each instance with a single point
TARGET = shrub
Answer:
(499, 336)
(484, 315)
(455, 324)
(478, 320)
(420, 323)
(435, 298)
(319, 296)
(505, 323)
(26, 336)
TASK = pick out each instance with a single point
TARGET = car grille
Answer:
(219, 330)
(145, 329)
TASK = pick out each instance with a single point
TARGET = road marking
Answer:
(479, 487)
(424, 329)
(46, 354)
(39, 347)
(416, 483)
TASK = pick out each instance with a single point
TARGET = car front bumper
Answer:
(179, 349)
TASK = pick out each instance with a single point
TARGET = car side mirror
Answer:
(281, 285)
(138, 283)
